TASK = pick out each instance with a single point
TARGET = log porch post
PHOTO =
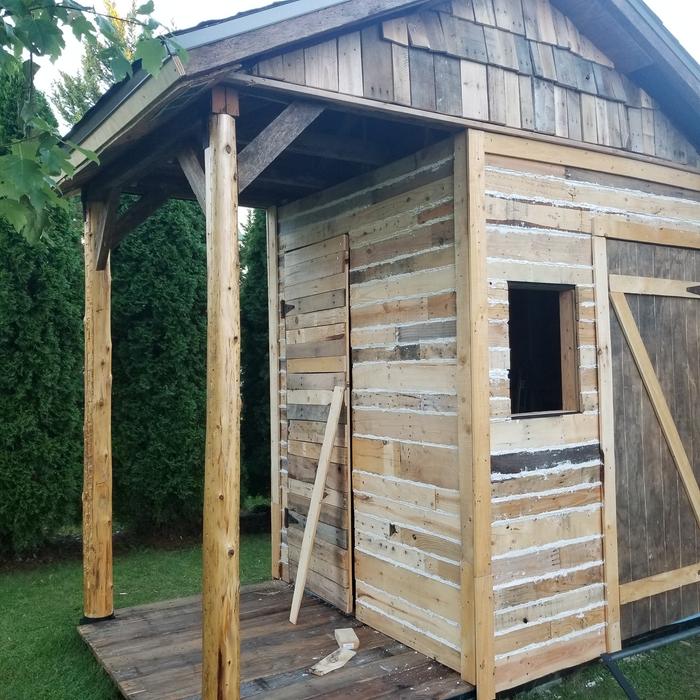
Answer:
(98, 601)
(221, 583)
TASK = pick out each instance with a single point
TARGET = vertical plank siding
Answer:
(549, 585)
(657, 530)
(519, 63)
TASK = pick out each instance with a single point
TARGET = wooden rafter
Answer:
(273, 140)
(658, 401)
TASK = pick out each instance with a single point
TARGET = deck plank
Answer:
(154, 652)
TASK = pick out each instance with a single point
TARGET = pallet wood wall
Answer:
(546, 472)
(399, 224)
(518, 63)
(404, 422)
(548, 561)
(313, 266)
(657, 531)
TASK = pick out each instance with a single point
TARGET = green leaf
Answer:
(13, 212)
(145, 9)
(150, 52)
(81, 26)
(90, 155)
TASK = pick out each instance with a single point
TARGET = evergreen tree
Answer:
(255, 423)
(41, 308)
(159, 307)
(159, 341)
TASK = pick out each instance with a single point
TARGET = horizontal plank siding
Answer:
(404, 458)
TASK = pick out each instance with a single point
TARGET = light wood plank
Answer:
(659, 583)
(606, 424)
(474, 411)
(316, 501)
(274, 364)
(530, 149)
(654, 286)
(645, 233)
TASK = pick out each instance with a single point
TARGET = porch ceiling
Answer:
(337, 146)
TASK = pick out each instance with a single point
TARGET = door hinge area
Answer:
(286, 308)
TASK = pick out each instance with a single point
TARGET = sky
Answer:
(682, 17)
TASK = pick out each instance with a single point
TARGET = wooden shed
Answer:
(484, 225)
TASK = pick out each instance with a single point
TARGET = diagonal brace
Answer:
(273, 140)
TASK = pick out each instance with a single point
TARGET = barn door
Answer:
(655, 340)
(315, 312)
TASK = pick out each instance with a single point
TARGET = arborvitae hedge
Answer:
(41, 358)
(255, 423)
(159, 316)
(159, 369)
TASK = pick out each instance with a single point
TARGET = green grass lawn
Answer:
(42, 656)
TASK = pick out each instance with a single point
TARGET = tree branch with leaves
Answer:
(30, 166)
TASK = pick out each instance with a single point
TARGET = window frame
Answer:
(568, 348)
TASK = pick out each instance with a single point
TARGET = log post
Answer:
(221, 584)
(97, 470)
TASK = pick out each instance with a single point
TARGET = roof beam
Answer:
(144, 156)
(273, 140)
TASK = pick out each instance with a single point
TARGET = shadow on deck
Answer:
(154, 652)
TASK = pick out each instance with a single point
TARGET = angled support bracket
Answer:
(273, 140)
(194, 172)
(104, 225)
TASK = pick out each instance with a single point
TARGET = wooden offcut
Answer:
(221, 553)
(98, 599)
(316, 499)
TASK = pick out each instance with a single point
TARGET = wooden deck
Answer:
(153, 652)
